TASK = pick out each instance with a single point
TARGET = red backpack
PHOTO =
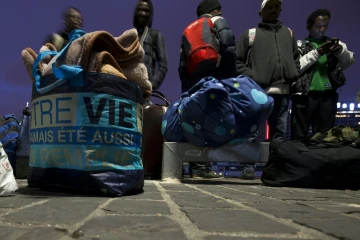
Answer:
(201, 46)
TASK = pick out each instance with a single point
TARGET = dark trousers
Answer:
(278, 119)
(317, 110)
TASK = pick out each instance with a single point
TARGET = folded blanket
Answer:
(99, 51)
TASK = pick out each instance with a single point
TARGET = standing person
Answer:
(225, 42)
(153, 42)
(72, 20)
(268, 54)
(322, 61)
(226, 66)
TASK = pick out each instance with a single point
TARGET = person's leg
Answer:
(327, 112)
(299, 117)
(278, 119)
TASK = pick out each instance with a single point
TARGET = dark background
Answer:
(26, 23)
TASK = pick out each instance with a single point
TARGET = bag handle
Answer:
(62, 73)
(159, 95)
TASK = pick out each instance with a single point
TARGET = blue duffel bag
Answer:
(85, 131)
(213, 113)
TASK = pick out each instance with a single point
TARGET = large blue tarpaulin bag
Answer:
(85, 131)
(213, 113)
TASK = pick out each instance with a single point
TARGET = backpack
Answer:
(252, 34)
(343, 135)
(201, 46)
(9, 134)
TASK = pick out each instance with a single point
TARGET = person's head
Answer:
(72, 19)
(318, 22)
(143, 14)
(212, 7)
(270, 10)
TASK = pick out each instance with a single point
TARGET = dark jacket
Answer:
(336, 65)
(274, 56)
(227, 67)
(155, 58)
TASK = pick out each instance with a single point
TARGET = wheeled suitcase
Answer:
(152, 138)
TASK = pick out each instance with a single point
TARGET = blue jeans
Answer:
(278, 120)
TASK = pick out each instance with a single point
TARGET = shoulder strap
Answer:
(154, 37)
(215, 18)
(252, 34)
(143, 36)
(291, 32)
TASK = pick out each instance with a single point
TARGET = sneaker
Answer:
(248, 173)
(202, 174)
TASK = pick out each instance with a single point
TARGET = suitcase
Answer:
(152, 138)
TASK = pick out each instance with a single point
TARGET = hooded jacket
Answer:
(274, 56)
(155, 58)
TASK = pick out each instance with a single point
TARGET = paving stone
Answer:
(236, 195)
(138, 207)
(338, 228)
(331, 206)
(132, 227)
(150, 188)
(226, 220)
(57, 211)
(146, 195)
(291, 194)
(355, 201)
(19, 201)
(198, 200)
(177, 187)
(246, 238)
(30, 233)
(294, 211)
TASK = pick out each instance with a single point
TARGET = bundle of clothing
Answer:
(99, 52)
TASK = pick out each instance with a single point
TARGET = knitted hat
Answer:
(264, 3)
(207, 6)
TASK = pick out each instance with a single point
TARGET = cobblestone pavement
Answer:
(196, 209)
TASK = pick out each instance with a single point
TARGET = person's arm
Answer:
(310, 58)
(162, 61)
(227, 46)
(242, 49)
(346, 58)
(307, 59)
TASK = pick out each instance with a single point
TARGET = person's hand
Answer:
(325, 48)
(336, 48)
